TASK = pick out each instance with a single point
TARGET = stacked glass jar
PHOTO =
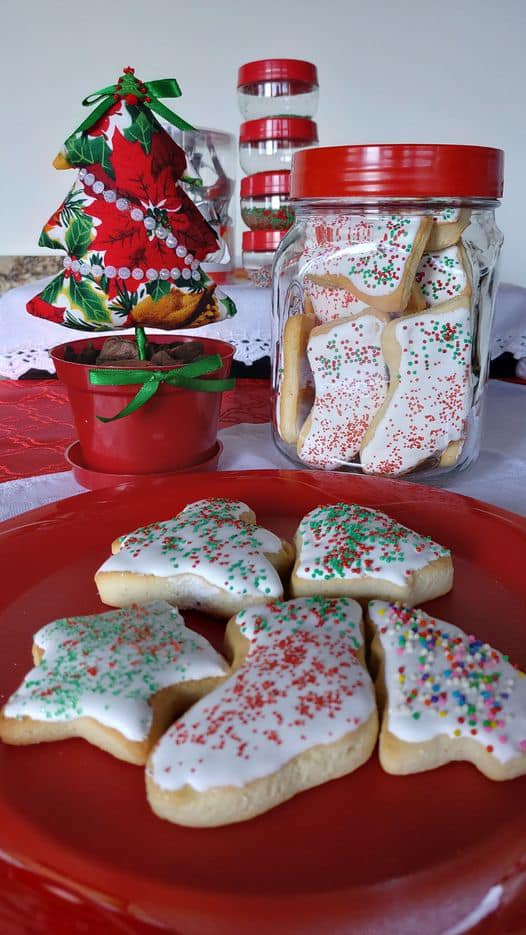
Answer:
(382, 305)
(277, 98)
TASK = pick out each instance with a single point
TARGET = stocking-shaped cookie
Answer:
(350, 379)
(298, 710)
(210, 557)
(116, 679)
(349, 549)
(445, 696)
(441, 276)
(424, 414)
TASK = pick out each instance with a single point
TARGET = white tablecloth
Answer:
(499, 475)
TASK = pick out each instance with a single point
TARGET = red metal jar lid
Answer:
(261, 241)
(276, 69)
(266, 183)
(278, 128)
(401, 170)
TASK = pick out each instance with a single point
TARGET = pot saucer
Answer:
(94, 480)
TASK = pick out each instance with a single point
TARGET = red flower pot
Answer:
(175, 429)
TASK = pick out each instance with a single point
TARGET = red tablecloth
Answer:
(36, 424)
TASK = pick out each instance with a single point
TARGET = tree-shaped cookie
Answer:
(445, 696)
(133, 239)
(210, 557)
(348, 549)
(298, 710)
(116, 679)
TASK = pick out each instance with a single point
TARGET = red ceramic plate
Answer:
(367, 853)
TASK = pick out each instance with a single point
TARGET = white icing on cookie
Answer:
(442, 276)
(430, 392)
(345, 541)
(441, 681)
(350, 379)
(107, 667)
(331, 304)
(207, 539)
(301, 684)
(447, 216)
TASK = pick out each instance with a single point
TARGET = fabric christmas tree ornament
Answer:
(133, 239)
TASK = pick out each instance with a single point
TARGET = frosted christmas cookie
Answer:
(295, 389)
(380, 271)
(116, 679)
(445, 696)
(447, 227)
(347, 549)
(350, 379)
(442, 276)
(424, 414)
(210, 557)
(298, 711)
(330, 303)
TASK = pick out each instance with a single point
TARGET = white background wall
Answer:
(390, 70)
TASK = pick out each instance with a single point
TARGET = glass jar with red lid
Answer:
(383, 300)
(277, 86)
(268, 144)
(265, 201)
(258, 249)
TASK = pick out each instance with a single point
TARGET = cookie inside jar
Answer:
(388, 273)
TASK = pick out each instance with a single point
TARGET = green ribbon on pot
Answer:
(138, 92)
(187, 377)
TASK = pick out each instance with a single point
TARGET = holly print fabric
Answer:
(133, 239)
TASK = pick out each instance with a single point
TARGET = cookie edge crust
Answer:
(296, 336)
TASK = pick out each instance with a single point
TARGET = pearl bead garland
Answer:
(124, 272)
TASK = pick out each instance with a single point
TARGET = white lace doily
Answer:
(14, 363)
(509, 325)
(509, 344)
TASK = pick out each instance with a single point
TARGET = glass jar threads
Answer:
(265, 201)
(277, 86)
(382, 307)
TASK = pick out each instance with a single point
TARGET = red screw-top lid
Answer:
(261, 241)
(266, 183)
(400, 170)
(278, 128)
(276, 69)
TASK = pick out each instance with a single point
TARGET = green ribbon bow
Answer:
(187, 377)
(130, 85)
